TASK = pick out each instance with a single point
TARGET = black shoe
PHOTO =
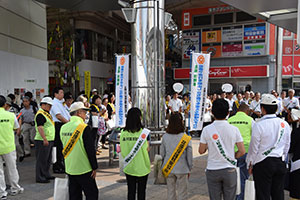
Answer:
(58, 171)
(50, 178)
(27, 155)
(43, 181)
(21, 158)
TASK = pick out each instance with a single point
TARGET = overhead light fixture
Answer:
(268, 14)
(129, 14)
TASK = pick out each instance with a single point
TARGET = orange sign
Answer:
(122, 61)
(211, 35)
(201, 59)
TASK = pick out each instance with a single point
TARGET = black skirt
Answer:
(295, 184)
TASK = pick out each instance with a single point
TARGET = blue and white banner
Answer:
(122, 84)
(199, 81)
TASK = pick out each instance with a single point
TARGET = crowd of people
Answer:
(253, 133)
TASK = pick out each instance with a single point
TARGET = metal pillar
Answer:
(279, 59)
(147, 64)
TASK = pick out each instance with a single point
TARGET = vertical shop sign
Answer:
(87, 83)
(122, 83)
(199, 81)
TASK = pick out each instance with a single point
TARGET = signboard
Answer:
(233, 33)
(211, 35)
(219, 72)
(287, 47)
(296, 48)
(256, 47)
(191, 43)
(254, 31)
(287, 65)
(87, 83)
(296, 65)
(122, 87)
(199, 81)
(232, 49)
(214, 49)
(250, 71)
(183, 73)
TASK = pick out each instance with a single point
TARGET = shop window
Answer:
(242, 16)
(286, 84)
(223, 18)
(202, 20)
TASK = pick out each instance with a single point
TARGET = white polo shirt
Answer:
(255, 105)
(264, 136)
(176, 104)
(59, 108)
(291, 103)
(229, 135)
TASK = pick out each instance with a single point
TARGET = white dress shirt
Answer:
(279, 105)
(291, 103)
(59, 108)
(264, 136)
(255, 105)
(230, 102)
(176, 104)
(229, 134)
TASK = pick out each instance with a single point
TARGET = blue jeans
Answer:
(244, 175)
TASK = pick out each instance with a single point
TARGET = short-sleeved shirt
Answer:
(176, 104)
(59, 108)
(230, 135)
(40, 120)
(230, 102)
(291, 103)
(27, 115)
(255, 105)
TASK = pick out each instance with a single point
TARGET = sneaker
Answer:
(19, 191)
(3, 197)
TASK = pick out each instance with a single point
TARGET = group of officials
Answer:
(55, 126)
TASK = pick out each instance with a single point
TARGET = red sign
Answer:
(223, 72)
(287, 65)
(287, 47)
(183, 73)
(287, 33)
(296, 65)
(296, 48)
(219, 72)
(232, 49)
(249, 71)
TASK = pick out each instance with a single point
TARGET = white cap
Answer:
(47, 100)
(78, 106)
(269, 99)
(94, 90)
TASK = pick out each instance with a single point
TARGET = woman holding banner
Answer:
(175, 143)
(134, 150)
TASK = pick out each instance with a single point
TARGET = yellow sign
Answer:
(87, 83)
(77, 73)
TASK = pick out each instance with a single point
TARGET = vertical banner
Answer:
(122, 83)
(199, 81)
(87, 83)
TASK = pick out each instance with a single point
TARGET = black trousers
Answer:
(269, 176)
(43, 160)
(85, 183)
(59, 165)
(140, 182)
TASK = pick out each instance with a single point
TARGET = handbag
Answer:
(158, 175)
(249, 189)
(61, 189)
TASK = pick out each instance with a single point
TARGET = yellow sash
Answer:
(46, 114)
(96, 107)
(73, 140)
(176, 155)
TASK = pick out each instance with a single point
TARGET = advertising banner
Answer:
(287, 65)
(255, 47)
(233, 33)
(254, 31)
(296, 65)
(122, 83)
(87, 83)
(214, 49)
(199, 81)
(211, 35)
(191, 43)
(232, 49)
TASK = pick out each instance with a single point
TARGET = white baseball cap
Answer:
(94, 90)
(269, 99)
(47, 100)
(78, 106)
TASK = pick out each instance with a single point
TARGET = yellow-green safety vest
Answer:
(7, 136)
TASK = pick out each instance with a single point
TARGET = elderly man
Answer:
(79, 154)
(8, 123)
(44, 141)
(288, 104)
